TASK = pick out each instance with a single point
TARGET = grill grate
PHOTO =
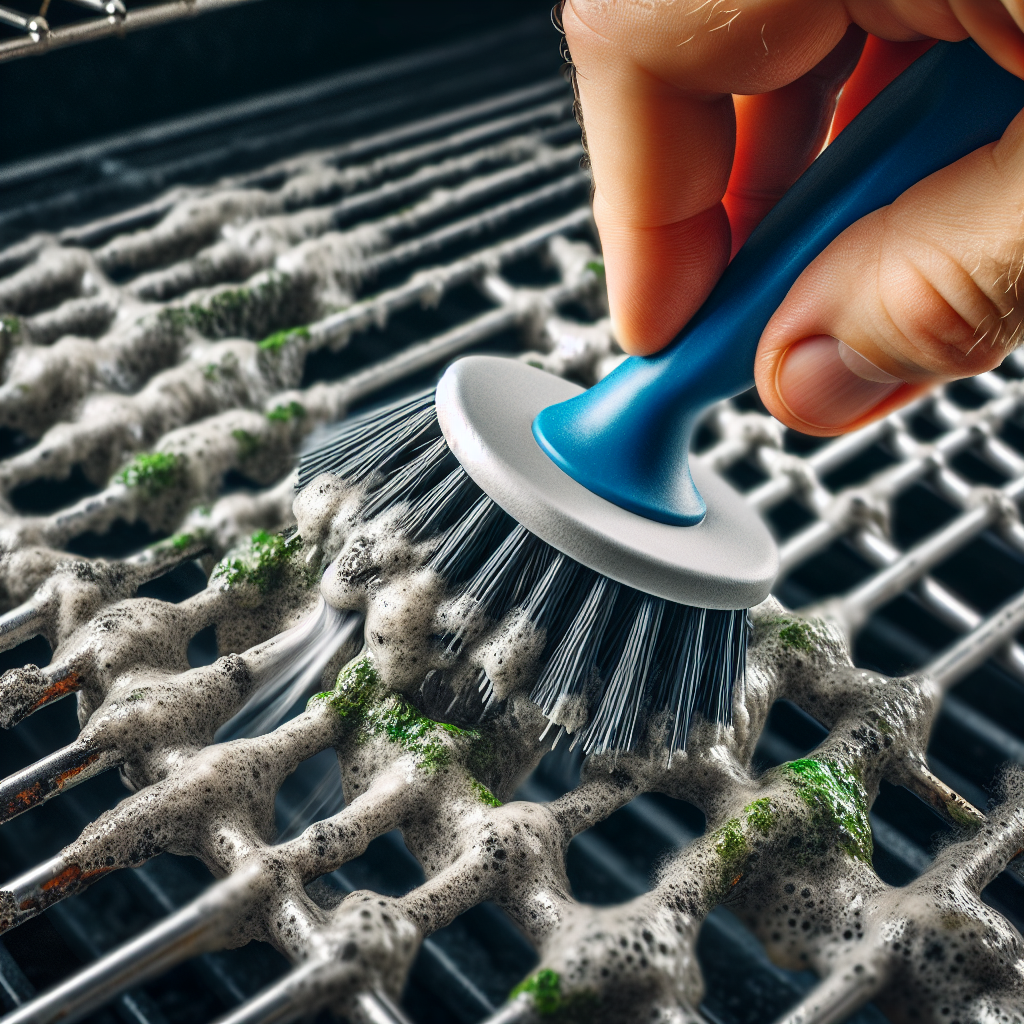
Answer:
(111, 18)
(163, 363)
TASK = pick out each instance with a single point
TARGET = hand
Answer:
(699, 116)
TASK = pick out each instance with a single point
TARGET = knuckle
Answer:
(949, 319)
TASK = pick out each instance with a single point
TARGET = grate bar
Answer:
(428, 286)
(49, 777)
(970, 652)
(857, 606)
(412, 360)
(196, 928)
(938, 598)
(833, 1001)
(40, 39)
(377, 1008)
(15, 988)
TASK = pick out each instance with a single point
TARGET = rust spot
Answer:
(60, 780)
(24, 800)
(736, 880)
(71, 876)
(61, 688)
(69, 881)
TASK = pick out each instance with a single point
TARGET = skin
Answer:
(699, 116)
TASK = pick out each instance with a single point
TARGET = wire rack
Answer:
(165, 360)
(110, 18)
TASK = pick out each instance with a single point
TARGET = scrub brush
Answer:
(580, 510)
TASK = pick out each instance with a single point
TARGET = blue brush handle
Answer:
(627, 438)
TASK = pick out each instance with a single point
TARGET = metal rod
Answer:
(377, 1008)
(427, 284)
(41, 39)
(292, 996)
(519, 1011)
(488, 220)
(110, 8)
(837, 997)
(50, 684)
(46, 778)
(20, 624)
(883, 586)
(937, 598)
(441, 347)
(36, 27)
(28, 894)
(384, 143)
(975, 648)
(198, 927)
(286, 999)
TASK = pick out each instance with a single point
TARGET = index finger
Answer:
(655, 86)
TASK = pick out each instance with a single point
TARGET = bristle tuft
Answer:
(615, 662)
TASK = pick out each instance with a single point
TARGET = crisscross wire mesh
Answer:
(163, 364)
(109, 18)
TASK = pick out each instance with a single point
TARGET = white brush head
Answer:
(486, 406)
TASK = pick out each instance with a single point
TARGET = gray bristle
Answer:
(630, 659)
(411, 480)
(373, 443)
(571, 668)
(442, 506)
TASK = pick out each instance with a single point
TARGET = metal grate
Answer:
(110, 18)
(166, 358)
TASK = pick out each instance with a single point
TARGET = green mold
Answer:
(484, 794)
(262, 562)
(733, 839)
(354, 690)
(401, 723)
(359, 698)
(152, 472)
(732, 847)
(10, 325)
(544, 987)
(481, 758)
(137, 695)
(179, 542)
(760, 815)
(279, 339)
(962, 817)
(230, 312)
(796, 635)
(211, 371)
(839, 803)
(227, 307)
(248, 444)
(286, 413)
(174, 320)
(597, 267)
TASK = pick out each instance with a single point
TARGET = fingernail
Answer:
(827, 384)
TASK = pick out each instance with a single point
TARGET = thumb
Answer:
(922, 291)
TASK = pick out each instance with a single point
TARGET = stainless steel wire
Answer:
(112, 19)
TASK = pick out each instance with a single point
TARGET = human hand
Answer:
(700, 115)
